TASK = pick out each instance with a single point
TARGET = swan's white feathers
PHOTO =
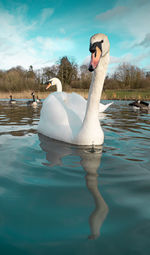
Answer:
(68, 117)
(67, 123)
(77, 104)
(103, 107)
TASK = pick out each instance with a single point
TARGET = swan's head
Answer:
(99, 47)
(52, 82)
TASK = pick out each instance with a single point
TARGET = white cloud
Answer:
(86, 61)
(130, 18)
(13, 46)
(129, 22)
(17, 49)
(145, 42)
(45, 14)
(55, 44)
(114, 13)
(128, 58)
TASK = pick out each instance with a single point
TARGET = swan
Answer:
(60, 122)
(12, 101)
(141, 105)
(32, 102)
(56, 82)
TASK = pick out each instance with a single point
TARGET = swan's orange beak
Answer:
(95, 58)
(49, 84)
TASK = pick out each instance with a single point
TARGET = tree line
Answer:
(126, 76)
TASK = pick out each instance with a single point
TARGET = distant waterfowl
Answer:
(12, 101)
(61, 122)
(56, 82)
(32, 102)
(138, 104)
(38, 100)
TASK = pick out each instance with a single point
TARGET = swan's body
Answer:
(140, 105)
(62, 122)
(12, 101)
(32, 102)
(56, 82)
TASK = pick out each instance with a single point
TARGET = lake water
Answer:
(60, 199)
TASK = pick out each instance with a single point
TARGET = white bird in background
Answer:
(56, 82)
(61, 122)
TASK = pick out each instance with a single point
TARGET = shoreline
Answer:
(106, 95)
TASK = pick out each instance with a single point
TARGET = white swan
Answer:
(56, 82)
(67, 124)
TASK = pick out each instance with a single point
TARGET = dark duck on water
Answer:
(141, 105)
(12, 101)
(32, 102)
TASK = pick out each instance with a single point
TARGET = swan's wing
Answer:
(57, 120)
(103, 107)
(77, 104)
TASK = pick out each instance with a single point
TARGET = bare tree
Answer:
(130, 76)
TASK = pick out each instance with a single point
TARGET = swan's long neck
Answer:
(97, 86)
(59, 86)
(96, 90)
(91, 131)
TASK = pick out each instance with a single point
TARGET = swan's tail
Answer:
(103, 107)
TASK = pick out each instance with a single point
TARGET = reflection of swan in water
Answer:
(90, 161)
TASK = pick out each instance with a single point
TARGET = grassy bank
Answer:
(41, 95)
(23, 95)
(126, 94)
(107, 94)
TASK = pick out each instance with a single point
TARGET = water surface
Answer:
(61, 199)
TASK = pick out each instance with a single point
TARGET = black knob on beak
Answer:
(91, 69)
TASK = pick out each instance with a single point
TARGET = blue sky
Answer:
(38, 33)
